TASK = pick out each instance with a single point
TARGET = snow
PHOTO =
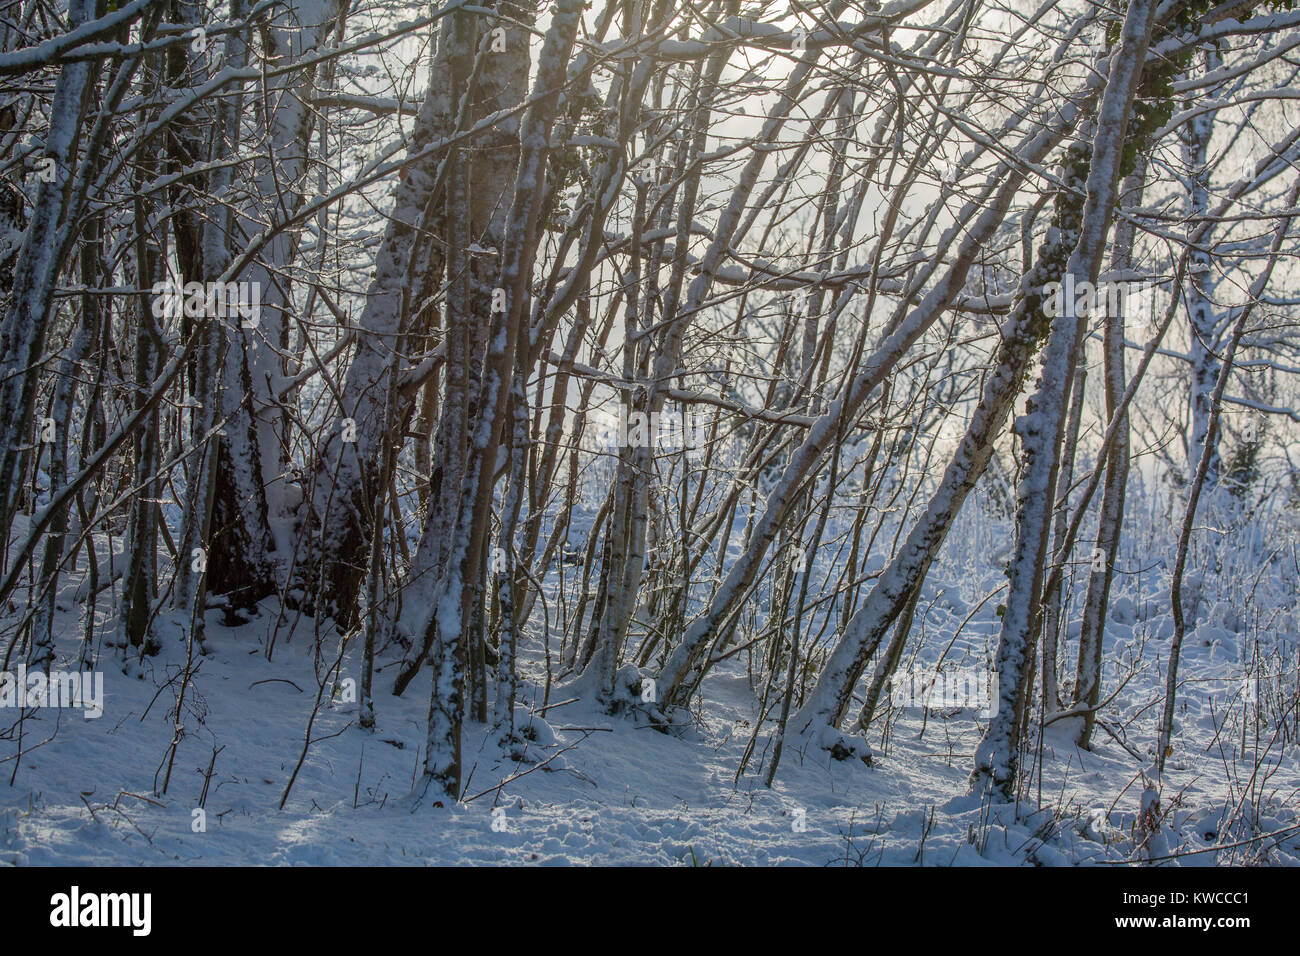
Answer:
(596, 788)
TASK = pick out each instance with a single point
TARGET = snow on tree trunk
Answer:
(36, 269)
(61, 405)
(479, 183)
(346, 463)
(1204, 346)
(1041, 428)
(456, 590)
(249, 515)
(1087, 682)
(211, 397)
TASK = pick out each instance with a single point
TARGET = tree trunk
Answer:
(1041, 429)
(1110, 522)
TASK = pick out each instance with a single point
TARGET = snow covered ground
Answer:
(604, 789)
